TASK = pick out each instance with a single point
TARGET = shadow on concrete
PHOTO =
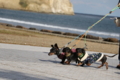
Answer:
(117, 72)
(73, 64)
(46, 52)
(109, 66)
(13, 75)
(49, 61)
(57, 62)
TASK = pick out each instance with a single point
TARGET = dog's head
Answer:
(67, 51)
(54, 50)
(80, 51)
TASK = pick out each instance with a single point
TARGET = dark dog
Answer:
(70, 55)
(66, 53)
(56, 51)
(91, 58)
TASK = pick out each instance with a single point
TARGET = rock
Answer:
(75, 34)
(18, 26)
(111, 39)
(10, 25)
(4, 24)
(51, 6)
(10, 4)
(32, 28)
(44, 30)
(46, 6)
(92, 37)
(70, 34)
(57, 32)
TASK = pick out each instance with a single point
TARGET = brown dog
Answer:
(91, 58)
(56, 51)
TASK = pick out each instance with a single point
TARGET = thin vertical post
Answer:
(119, 48)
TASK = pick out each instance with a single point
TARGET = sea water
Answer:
(77, 23)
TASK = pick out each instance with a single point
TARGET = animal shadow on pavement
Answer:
(109, 66)
(56, 62)
(46, 52)
(49, 61)
(117, 72)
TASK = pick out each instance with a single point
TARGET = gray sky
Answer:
(100, 7)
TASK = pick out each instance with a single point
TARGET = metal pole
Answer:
(119, 49)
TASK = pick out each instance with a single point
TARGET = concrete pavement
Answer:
(19, 62)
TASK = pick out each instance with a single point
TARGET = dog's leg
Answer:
(82, 64)
(63, 60)
(67, 62)
(106, 65)
(103, 60)
(79, 64)
(101, 65)
(88, 64)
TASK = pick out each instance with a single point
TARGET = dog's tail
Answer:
(112, 55)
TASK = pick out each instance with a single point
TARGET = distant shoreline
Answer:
(95, 15)
(61, 14)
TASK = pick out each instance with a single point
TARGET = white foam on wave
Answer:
(59, 27)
